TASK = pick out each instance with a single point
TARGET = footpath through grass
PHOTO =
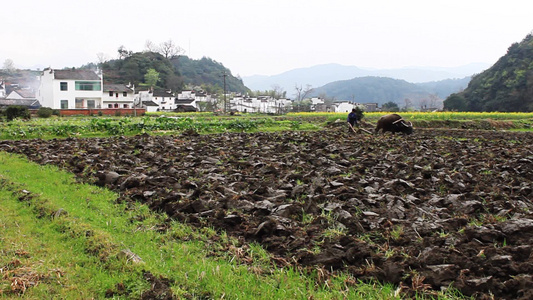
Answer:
(63, 239)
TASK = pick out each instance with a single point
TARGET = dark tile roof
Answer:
(150, 103)
(185, 108)
(116, 88)
(75, 74)
(183, 101)
(21, 102)
(25, 94)
(161, 93)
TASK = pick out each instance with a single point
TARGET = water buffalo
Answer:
(394, 123)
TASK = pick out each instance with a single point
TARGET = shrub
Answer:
(56, 112)
(16, 111)
(44, 112)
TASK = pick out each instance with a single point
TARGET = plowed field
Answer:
(426, 211)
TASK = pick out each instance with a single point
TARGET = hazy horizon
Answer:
(267, 37)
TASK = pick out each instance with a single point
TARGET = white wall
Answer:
(345, 107)
(45, 93)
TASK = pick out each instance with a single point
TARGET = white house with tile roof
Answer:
(67, 89)
(118, 96)
(165, 99)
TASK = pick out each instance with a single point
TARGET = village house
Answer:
(68, 89)
(150, 106)
(165, 100)
(202, 100)
(186, 101)
(261, 104)
(22, 97)
(344, 106)
(21, 94)
(118, 96)
(371, 107)
(325, 107)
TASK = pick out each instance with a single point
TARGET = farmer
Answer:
(352, 119)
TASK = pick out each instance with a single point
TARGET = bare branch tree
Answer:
(102, 58)
(434, 101)
(170, 50)
(9, 65)
(301, 92)
(149, 46)
(278, 91)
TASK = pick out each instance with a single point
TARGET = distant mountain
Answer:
(320, 75)
(374, 89)
(445, 88)
(506, 86)
(314, 76)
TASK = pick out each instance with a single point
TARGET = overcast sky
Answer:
(267, 37)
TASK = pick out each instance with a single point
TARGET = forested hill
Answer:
(173, 73)
(506, 86)
(206, 71)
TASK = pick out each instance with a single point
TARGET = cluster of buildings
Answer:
(85, 89)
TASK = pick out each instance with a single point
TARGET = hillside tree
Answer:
(151, 77)
(123, 52)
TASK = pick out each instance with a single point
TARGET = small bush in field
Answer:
(45, 112)
(16, 111)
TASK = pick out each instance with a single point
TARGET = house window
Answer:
(64, 104)
(79, 103)
(111, 94)
(116, 105)
(110, 106)
(116, 95)
(126, 106)
(91, 103)
(88, 86)
(63, 86)
(125, 94)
